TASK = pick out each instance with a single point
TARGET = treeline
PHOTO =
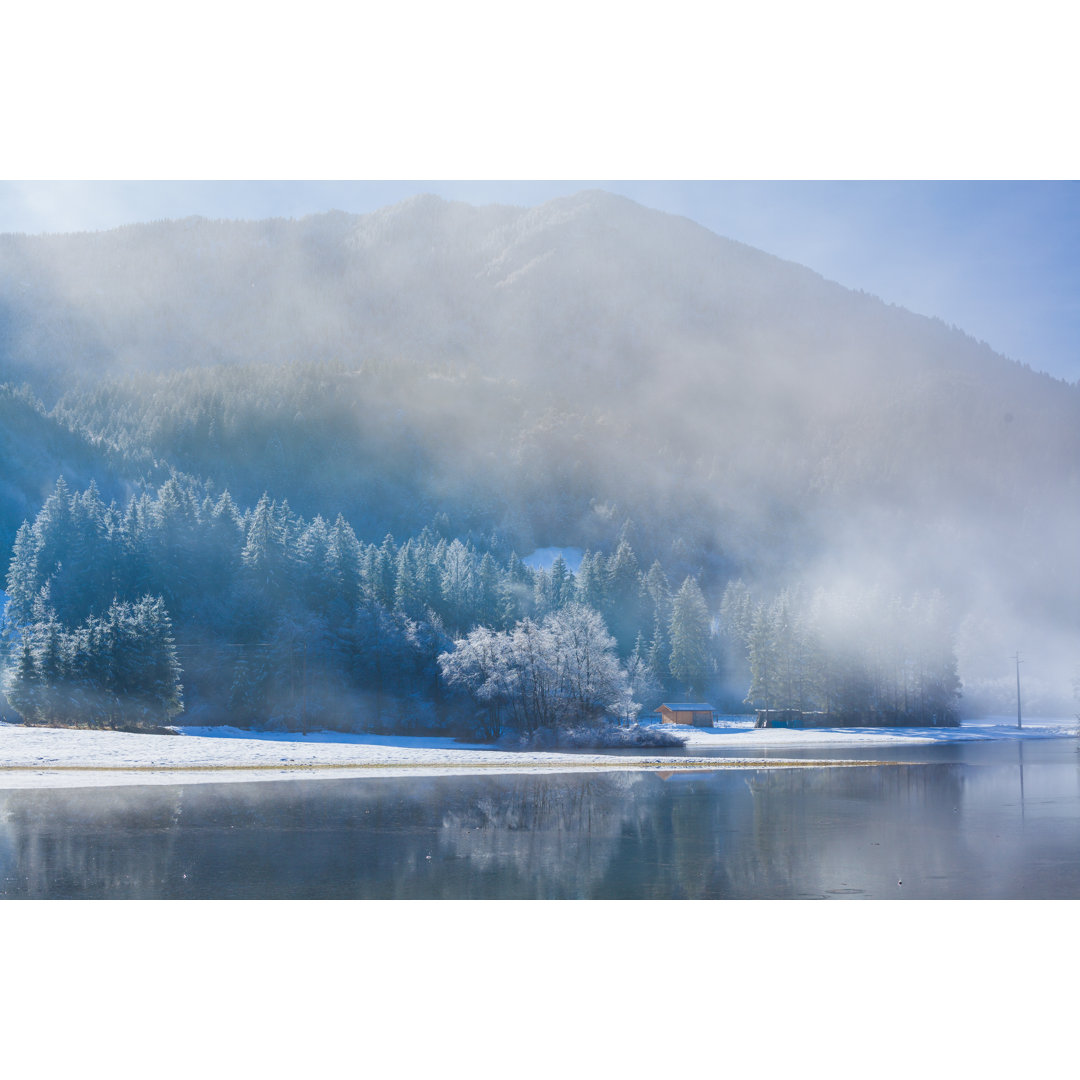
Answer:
(297, 620)
(392, 444)
(118, 671)
(860, 658)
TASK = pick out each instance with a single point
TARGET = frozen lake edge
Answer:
(42, 757)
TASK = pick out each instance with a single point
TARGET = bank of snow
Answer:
(65, 757)
(739, 732)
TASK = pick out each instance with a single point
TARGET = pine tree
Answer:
(159, 674)
(657, 595)
(624, 608)
(343, 558)
(260, 554)
(379, 572)
(24, 690)
(316, 574)
(23, 580)
(590, 582)
(515, 592)
(690, 638)
(52, 529)
(761, 645)
(407, 589)
(459, 587)
(562, 584)
(642, 682)
(488, 586)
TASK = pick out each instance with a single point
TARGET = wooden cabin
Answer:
(693, 714)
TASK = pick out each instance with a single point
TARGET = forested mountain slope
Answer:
(34, 450)
(546, 375)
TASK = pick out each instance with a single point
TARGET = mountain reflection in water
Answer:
(1002, 825)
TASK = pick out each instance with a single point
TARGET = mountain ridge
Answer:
(511, 247)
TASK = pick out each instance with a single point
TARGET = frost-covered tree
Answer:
(590, 581)
(119, 670)
(481, 665)
(562, 670)
(690, 637)
(624, 610)
(642, 685)
(590, 681)
(24, 686)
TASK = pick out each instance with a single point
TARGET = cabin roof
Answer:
(682, 706)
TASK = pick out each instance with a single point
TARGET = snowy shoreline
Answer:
(40, 757)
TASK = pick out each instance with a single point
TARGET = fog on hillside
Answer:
(574, 375)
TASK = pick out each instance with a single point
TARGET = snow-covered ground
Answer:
(63, 757)
(739, 732)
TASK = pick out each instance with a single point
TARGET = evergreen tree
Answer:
(642, 684)
(408, 594)
(24, 688)
(262, 547)
(316, 573)
(623, 587)
(158, 689)
(487, 613)
(460, 589)
(562, 584)
(542, 599)
(761, 645)
(690, 638)
(515, 592)
(52, 529)
(657, 596)
(23, 580)
(378, 574)
(590, 582)
(343, 560)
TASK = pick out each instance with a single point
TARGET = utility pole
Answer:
(1018, 663)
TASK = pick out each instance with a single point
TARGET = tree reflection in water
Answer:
(944, 829)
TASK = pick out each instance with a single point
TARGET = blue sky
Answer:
(999, 259)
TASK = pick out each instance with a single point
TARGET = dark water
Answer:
(976, 820)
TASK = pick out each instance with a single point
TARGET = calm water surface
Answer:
(969, 821)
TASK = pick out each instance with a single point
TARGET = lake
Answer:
(949, 821)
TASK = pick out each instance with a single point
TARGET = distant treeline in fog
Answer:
(861, 659)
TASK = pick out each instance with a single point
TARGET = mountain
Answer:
(35, 449)
(550, 374)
